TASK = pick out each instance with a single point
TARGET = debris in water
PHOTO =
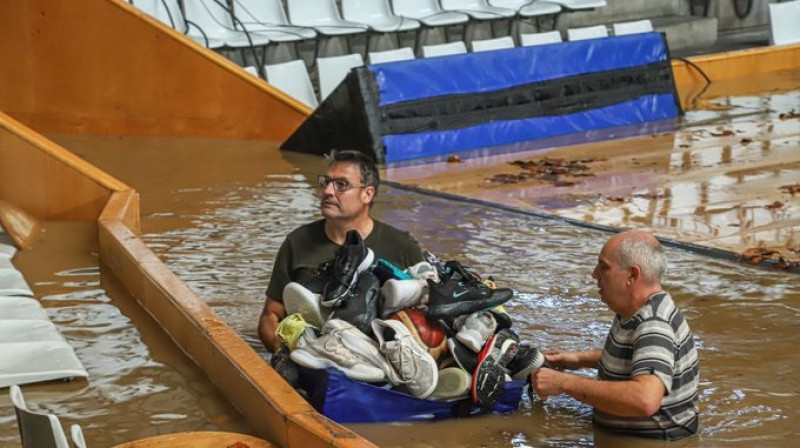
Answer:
(724, 133)
(790, 189)
(454, 159)
(774, 205)
(756, 255)
(789, 115)
(746, 141)
(547, 170)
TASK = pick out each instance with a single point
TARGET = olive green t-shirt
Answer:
(307, 247)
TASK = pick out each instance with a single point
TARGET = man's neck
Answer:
(640, 299)
(337, 229)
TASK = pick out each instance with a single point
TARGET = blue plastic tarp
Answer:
(343, 400)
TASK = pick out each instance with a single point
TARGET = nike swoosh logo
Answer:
(459, 294)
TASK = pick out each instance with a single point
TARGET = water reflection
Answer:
(219, 231)
(745, 319)
(138, 384)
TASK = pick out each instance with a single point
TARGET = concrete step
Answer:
(683, 32)
(687, 32)
(621, 11)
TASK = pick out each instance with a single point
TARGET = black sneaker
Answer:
(436, 262)
(351, 259)
(528, 359)
(502, 317)
(461, 292)
(491, 374)
(462, 355)
(361, 308)
(314, 280)
(284, 366)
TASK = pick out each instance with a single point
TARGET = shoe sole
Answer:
(487, 386)
(394, 288)
(306, 303)
(490, 374)
(535, 364)
(454, 383)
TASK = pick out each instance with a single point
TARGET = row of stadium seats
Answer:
(247, 24)
(293, 79)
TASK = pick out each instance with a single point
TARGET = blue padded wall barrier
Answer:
(401, 147)
(497, 70)
(424, 108)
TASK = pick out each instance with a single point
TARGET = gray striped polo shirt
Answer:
(656, 340)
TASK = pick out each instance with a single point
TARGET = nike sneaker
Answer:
(351, 259)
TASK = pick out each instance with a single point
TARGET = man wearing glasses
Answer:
(348, 190)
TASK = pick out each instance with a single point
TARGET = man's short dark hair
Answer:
(369, 172)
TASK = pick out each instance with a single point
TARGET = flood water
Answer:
(216, 211)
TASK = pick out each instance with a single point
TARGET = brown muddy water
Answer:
(216, 211)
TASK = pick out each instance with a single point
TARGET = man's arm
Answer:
(273, 312)
(639, 397)
(573, 360)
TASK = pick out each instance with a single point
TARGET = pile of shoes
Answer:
(432, 330)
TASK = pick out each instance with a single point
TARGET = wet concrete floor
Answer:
(726, 177)
(216, 211)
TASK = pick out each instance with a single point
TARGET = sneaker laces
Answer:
(336, 350)
(407, 356)
(437, 263)
(465, 276)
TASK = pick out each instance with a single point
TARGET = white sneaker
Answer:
(328, 350)
(363, 346)
(297, 299)
(415, 366)
(476, 329)
(423, 271)
(454, 383)
(401, 294)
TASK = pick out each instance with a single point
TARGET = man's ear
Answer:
(369, 194)
(634, 274)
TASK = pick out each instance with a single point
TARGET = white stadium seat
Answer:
(269, 18)
(579, 5)
(292, 78)
(548, 37)
(528, 8)
(169, 13)
(588, 32)
(323, 16)
(447, 49)
(217, 23)
(492, 44)
(428, 12)
(478, 9)
(784, 23)
(333, 70)
(378, 15)
(635, 27)
(400, 54)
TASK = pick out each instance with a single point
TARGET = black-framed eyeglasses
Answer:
(340, 184)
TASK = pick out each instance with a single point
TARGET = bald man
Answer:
(647, 372)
